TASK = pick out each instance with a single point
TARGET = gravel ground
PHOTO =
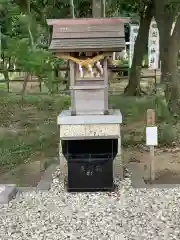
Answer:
(126, 214)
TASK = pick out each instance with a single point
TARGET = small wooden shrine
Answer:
(87, 44)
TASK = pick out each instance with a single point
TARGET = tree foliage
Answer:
(25, 35)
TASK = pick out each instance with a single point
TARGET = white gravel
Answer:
(127, 214)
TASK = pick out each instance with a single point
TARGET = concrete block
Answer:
(7, 192)
(65, 118)
(46, 180)
(136, 178)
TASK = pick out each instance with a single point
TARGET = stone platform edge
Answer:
(45, 182)
(65, 118)
(138, 181)
(43, 185)
(8, 193)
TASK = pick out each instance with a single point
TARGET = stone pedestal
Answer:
(7, 193)
(91, 127)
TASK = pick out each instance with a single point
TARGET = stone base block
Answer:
(118, 167)
(63, 167)
(7, 192)
(91, 127)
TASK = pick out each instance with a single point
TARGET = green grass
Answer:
(134, 120)
(3, 85)
(28, 129)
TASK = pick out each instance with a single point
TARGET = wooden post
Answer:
(151, 123)
(151, 117)
(152, 164)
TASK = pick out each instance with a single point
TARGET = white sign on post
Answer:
(153, 46)
(151, 136)
(134, 28)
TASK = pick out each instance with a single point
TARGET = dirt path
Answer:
(167, 164)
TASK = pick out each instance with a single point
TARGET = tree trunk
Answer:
(133, 88)
(164, 44)
(72, 8)
(98, 8)
(164, 19)
(172, 91)
(25, 82)
(165, 16)
(103, 8)
(31, 40)
(6, 77)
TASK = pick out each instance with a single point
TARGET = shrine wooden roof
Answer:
(74, 35)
